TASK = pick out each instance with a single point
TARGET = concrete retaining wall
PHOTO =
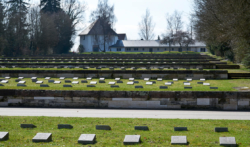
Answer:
(126, 99)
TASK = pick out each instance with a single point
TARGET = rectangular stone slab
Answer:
(21, 85)
(178, 140)
(138, 86)
(90, 85)
(27, 126)
(131, 79)
(89, 78)
(114, 86)
(159, 79)
(67, 81)
(17, 80)
(75, 78)
(47, 78)
(144, 128)
(180, 128)
(57, 82)
(39, 82)
(62, 78)
(136, 82)
(111, 83)
(187, 84)
(103, 127)
(84, 81)
(33, 80)
(220, 129)
(213, 87)
(101, 81)
(67, 85)
(87, 139)
(93, 82)
(169, 84)
(175, 79)
(4, 81)
(146, 79)
(4, 136)
(64, 126)
(21, 82)
(1, 85)
(42, 137)
(44, 85)
(75, 82)
(206, 84)
(163, 87)
(199, 82)
(188, 87)
(132, 139)
(130, 83)
(228, 141)
(51, 81)
(149, 83)
(119, 81)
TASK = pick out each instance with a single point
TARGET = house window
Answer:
(83, 37)
(172, 49)
(158, 49)
(118, 49)
(128, 49)
(135, 49)
(203, 50)
(165, 49)
(143, 49)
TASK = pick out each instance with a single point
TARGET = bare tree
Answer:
(146, 27)
(177, 21)
(105, 18)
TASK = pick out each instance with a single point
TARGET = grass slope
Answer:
(200, 132)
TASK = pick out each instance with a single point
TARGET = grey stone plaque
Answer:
(199, 82)
(64, 126)
(84, 81)
(119, 81)
(67, 85)
(136, 82)
(103, 127)
(132, 139)
(138, 86)
(188, 87)
(228, 141)
(179, 140)
(180, 128)
(17, 80)
(144, 128)
(67, 81)
(4, 136)
(87, 139)
(27, 126)
(101, 81)
(44, 85)
(213, 87)
(163, 87)
(220, 129)
(42, 137)
(51, 81)
(90, 85)
(114, 86)
(21, 85)
(1, 85)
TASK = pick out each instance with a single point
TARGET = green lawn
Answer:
(200, 132)
(224, 85)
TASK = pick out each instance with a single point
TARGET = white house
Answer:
(92, 38)
(153, 46)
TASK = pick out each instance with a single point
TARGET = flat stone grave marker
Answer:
(130, 83)
(64, 126)
(146, 79)
(103, 127)
(21, 82)
(90, 85)
(175, 79)
(47, 78)
(51, 81)
(27, 126)
(228, 141)
(89, 78)
(111, 83)
(149, 83)
(1, 85)
(7, 77)
(57, 82)
(44, 85)
(67, 85)
(117, 79)
(62, 78)
(138, 86)
(102, 81)
(136, 82)
(178, 140)
(20, 77)
(188, 87)
(4, 136)
(17, 80)
(180, 128)
(220, 129)
(163, 87)
(39, 82)
(87, 139)
(168, 83)
(144, 128)
(199, 82)
(84, 81)
(213, 87)
(189, 79)
(202, 79)
(4, 81)
(159, 79)
(21, 85)
(206, 84)
(75, 82)
(132, 139)
(67, 81)
(131, 79)
(33, 78)
(93, 82)
(75, 78)
(114, 86)
(154, 82)
(42, 137)
(187, 84)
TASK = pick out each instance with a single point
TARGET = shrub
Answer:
(246, 61)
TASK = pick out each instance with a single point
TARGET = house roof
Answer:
(149, 43)
(121, 36)
(96, 29)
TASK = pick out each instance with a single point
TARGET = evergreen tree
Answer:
(1, 27)
(17, 27)
(50, 6)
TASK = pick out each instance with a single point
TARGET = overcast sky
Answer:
(129, 13)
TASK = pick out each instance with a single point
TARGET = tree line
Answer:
(45, 28)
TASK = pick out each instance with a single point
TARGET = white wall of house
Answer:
(155, 49)
(88, 42)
